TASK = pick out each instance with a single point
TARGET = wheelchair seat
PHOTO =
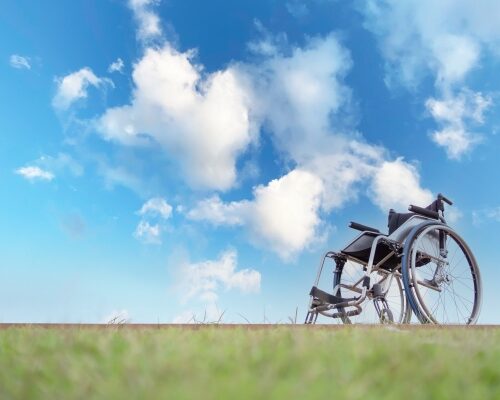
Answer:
(361, 247)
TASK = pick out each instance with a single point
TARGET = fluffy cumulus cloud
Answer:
(202, 283)
(283, 215)
(304, 97)
(206, 278)
(454, 114)
(344, 173)
(73, 87)
(201, 121)
(156, 206)
(396, 184)
(444, 39)
(147, 20)
(35, 173)
(301, 98)
(151, 225)
(296, 94)
(19, 62)
(285, 212)
(204, 121)
(297, 97)
(216, 211)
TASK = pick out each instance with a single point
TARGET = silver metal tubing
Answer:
(430, 286)
(372, 255)
(328, 254)
(335, 314)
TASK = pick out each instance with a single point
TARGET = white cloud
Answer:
(300, 98)
(454, 114)
(296, 95)
(34, 173)
(455, 55)
(61, 163)
(73, 87)
(19, 62)
(116, 66)
(396, 184)
(47, 167)
(456, 141)
(153, 212)
(285, 212)
(200, 285)
(148, 233)
(156, 206)
(219, 213)
(205, 279)
(283, 215)
(202, 122)
(344, 173)
(266, 44)
(445, 38)
(149, 22)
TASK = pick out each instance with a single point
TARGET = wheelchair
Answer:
(422, 267)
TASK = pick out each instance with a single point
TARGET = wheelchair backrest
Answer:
(400, 234)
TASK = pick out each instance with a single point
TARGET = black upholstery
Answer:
(362, 247)
(325, 297)
(395, 219)
(362, 228)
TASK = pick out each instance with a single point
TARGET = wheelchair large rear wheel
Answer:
(441, 277)
(350, 279)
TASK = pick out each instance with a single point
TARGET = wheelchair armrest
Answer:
(362, 228)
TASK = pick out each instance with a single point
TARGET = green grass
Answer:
(216, 363)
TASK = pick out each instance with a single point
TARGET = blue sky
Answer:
(163, 158)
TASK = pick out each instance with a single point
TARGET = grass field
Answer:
(286, 362)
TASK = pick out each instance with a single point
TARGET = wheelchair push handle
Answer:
(446, 200)
(424, 212)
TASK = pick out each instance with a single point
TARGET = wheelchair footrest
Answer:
(328, 298)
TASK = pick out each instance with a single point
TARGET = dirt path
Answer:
(236, 326)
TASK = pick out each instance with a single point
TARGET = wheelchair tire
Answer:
(441, 276)
(400, 310)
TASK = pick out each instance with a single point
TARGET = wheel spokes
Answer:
(446, 286)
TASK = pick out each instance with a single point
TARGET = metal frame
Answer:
(355, 307)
